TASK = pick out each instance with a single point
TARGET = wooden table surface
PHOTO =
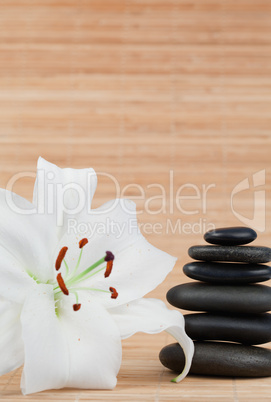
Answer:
(153, 92)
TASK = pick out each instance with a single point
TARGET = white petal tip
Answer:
(181, 376)
(178, 378)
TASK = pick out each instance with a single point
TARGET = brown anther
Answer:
(77, 307)
(109, 267)
(83, 242)
(62, 285)
(114, 294)
(61, 257)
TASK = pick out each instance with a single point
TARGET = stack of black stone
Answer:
(235, 307)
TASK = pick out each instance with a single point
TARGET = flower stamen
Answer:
(62, 285)
(109, 259)
(109, 267)
(77, 305)
(114, 294)
(87, 273)
(60, 257)
(72, 280)
(83, 242)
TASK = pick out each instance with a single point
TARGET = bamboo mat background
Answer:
(143, 90)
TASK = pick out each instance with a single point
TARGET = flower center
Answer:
(72, 278)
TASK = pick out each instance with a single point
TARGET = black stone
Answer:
(220, 359)
(248, 254)
(253, 329)
(234, 236)
(228, 273)
(239, 299)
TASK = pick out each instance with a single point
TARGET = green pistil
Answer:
(84, 275)
(89, 276)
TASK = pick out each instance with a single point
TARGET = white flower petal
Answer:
(94, 343)
(138, 267)
(74, 349)
(27, 238)
(152, 316)
(63, 193)
(46, 355)
(112, 226)
(138, 270)
(11, 344)
(15, 283)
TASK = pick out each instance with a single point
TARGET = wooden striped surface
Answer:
(152, 92)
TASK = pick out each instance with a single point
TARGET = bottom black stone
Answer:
(220, 359)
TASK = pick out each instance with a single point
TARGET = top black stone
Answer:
(232, 236)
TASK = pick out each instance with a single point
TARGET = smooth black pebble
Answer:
(219, 272)
(245, 329)
(243, 299)
(220, 359)
(248, 254)
(233, 236)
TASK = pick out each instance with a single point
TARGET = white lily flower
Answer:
(63, 312)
